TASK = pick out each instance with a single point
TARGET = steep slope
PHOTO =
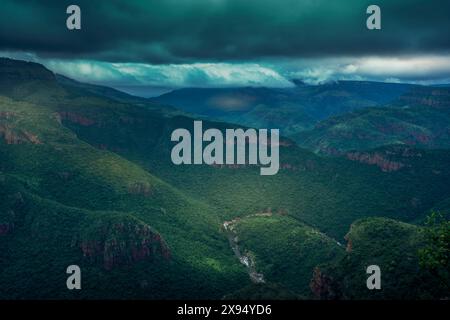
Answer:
(100, 191)
(283, 250)
(389, 244)
(326, 193)
(419, 118)
(81, 205)
(45, 237)
(17, 71)
(110, 93)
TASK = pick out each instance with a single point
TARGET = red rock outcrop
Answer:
(377, 159)
(427, 96)
(323, 286)
(6, 115)
(12, 136)
(349, 247)
(75, 118)
(124, 244)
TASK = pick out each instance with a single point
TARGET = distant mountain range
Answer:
(420, 117)
(292, 110)
(86, 179)
(333, 117)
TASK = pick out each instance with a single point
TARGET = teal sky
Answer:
(204, 43)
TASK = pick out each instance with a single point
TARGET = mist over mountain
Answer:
(292, 110)
(86, 178)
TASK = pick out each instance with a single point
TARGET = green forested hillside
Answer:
(419, 118)
(87, 179)
(285, 250)
(72, 196)
(393, 246)
(292, 110)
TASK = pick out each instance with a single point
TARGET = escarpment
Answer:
(122, 243)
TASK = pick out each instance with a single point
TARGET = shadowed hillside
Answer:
(86, 178)
(292, 110)
(419, 118)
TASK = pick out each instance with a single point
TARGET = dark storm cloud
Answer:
(186, 31)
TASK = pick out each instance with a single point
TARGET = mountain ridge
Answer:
(87, 179)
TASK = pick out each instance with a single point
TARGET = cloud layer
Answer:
(423, 69)
(216, 43)
(171, 75)
(187, 31)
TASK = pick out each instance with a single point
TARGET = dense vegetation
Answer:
(419, 118)
(285, 250)
(86, 178)
(393, 246)
(435, 255)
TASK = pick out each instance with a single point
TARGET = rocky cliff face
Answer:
(123, 243)
(377, 159)
(323, 286)
(389, 159)
(75, 118)
(12, 136)
(427, 96)
(347, 238)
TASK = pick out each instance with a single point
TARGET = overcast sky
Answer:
(204, 43)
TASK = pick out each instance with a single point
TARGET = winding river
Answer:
(246, 259)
